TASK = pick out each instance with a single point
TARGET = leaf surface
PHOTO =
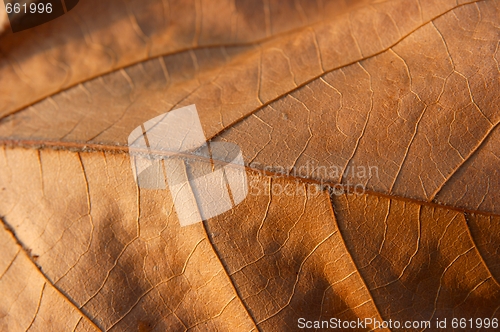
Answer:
(405, 90)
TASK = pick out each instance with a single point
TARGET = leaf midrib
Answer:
(82, 147)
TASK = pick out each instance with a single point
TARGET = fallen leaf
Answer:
(369, 132)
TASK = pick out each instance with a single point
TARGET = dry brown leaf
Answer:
(406, 88)
(29, 300)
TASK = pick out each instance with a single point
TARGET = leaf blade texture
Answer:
(398, 97)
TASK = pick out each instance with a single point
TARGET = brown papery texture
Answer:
(312, 93)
